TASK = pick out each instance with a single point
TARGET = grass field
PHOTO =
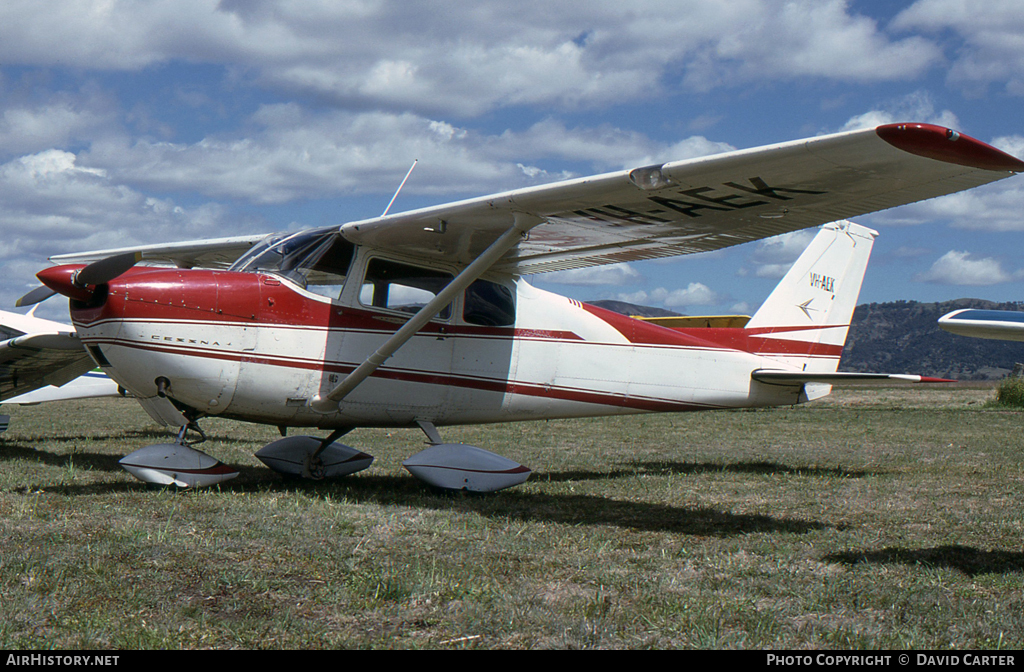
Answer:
(872, 519)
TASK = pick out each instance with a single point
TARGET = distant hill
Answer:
(633, 309)
(904, 337)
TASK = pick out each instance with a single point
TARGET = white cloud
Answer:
(992, 50)
(611, 274)
(917, 106)
(28, 128)
(993, 207)
(1011, 144)
(773, 256)
(807, 39)
(695, 294)
(466, 57)
(772, 271)
(290, 153)
(961, 268)
(639, 297)
(51, 204)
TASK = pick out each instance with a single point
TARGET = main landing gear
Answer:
(310, 457)
(181, 465)
(459, 466)
(449, 466)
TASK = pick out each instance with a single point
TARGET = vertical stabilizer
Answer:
(806, 318)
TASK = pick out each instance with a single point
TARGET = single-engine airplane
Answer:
(423, 318)
(42, 360)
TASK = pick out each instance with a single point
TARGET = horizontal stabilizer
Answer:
(778, 377)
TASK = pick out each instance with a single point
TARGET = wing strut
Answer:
(329, 403)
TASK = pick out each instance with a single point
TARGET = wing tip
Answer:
(945, 144)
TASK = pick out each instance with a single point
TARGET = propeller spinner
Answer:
(78, 282)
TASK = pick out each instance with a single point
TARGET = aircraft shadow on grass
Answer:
(80, 459)
(699, 468)
(970, 561)
(161, 435)
(561, 508)
(13, 450)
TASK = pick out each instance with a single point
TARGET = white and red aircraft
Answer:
(424, 319)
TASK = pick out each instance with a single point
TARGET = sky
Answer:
(132, 122)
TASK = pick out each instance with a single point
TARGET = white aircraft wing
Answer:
(91, 384)
(35, 353)
(213, 253)
(31, 361)
(668, 209)
(699, 204)
(1003, 325)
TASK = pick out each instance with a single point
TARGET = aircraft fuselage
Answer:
(258, 347)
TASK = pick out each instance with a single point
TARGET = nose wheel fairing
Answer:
(176, 464)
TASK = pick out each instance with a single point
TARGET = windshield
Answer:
(317, 260)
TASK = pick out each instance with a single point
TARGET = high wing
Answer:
(700, 204)
(668, 209)
(35, 353)
(213, 253)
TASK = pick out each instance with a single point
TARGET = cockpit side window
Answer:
(489, 304)
(315, 260)
(325, 272)
(395, 286)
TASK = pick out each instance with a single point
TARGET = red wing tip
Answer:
(945, 144)
(929, 379)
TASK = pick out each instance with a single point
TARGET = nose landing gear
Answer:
(177, 463)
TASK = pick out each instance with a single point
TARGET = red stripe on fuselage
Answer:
(754, 341)
(504, 386)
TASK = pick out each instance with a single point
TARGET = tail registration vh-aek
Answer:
(423, 318)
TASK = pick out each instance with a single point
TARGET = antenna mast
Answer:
(399, 188)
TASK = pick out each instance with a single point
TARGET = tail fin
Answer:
(806, 318)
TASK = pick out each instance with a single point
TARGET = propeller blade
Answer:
(103, 271)
(40, 293)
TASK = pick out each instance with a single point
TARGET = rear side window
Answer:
(489, 304)
(402, 287)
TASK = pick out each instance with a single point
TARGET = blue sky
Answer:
(138, 122)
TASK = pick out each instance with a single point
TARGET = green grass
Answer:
(1010, 392)
(873, 519)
